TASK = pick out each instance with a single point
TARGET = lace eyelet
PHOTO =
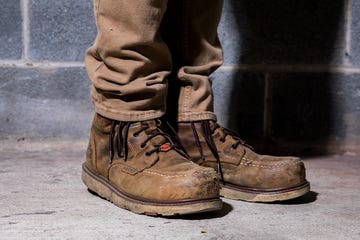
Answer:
(135, 135)
(143, 145)
(147, 154)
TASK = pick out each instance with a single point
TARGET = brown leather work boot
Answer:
(245, 175)
(148, 174)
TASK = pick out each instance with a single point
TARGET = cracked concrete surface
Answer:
(42, 197)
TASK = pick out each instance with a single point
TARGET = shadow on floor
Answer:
(307, 198)
(226, 209)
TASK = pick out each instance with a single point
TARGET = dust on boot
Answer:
(138, 167)
(245, 175)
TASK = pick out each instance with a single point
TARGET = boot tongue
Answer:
(153, 129)
(215, 129)
(213, 125)
(219, 132)
(153, 124)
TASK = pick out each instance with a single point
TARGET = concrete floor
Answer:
(42, 197)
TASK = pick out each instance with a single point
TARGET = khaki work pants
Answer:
(152, 57)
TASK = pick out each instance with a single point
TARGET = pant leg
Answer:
(195, 58)
(129, 62)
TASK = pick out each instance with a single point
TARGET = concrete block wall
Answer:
(44, 88)
(290, 81)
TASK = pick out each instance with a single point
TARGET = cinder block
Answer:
(354, 54)
(283, 32)
(10, 30)
(45, 102)
(61, 30)
(316, 107)
(239, 101)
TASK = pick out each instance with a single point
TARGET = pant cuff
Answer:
(129, 116)
(196, 116)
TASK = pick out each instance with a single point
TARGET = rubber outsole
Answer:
(106, 190)
(238, 193)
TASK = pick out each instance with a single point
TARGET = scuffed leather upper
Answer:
(160, 176)
(241, 165)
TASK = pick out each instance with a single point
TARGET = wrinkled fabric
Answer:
(154, 56)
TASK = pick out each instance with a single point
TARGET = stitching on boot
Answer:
(177, 175)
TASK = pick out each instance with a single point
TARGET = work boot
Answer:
(245, 175)
(137, 166)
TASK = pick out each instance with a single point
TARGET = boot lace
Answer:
(207, 133)
(121, 141)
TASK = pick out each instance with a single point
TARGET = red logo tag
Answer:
(165, 147)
